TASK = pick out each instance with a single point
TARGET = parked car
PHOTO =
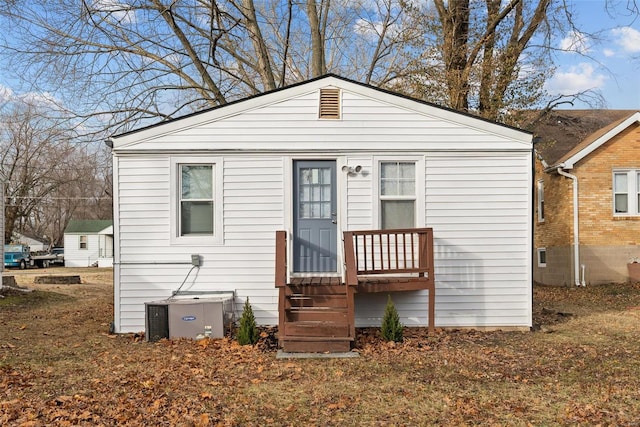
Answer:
(59, 253)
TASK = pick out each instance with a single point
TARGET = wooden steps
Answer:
(315, 318)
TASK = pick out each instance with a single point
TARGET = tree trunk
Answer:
(455, 24)
(262, 53)
(318, 64)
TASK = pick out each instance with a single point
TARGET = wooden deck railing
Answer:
(388, 252)
(391, 260)
(375, 261)
(281, 258)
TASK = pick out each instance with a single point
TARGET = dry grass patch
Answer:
(59, 365)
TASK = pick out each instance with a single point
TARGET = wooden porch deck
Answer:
(316, 314)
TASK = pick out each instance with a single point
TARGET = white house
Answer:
(88, 243)
(36, 244)
(220, 183)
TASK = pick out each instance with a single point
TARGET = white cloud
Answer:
(577, 79)
(365, 27)
(628, 38)
(374, 29)
(122, 12)
(40, 99)
(608, 53)
(575, 41)
(6, 94)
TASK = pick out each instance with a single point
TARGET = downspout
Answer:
(576, 234)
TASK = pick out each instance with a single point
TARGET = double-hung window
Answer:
(196, 211)
(196, 200)
(397, 194)
(626, 192)
(84, 244)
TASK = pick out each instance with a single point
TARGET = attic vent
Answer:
(329, 103)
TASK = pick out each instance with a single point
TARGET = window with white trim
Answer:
(196, 210)
(541, 201)
(397, 194)
(84, 244)
(542, 257)
(196, 200)
(626, 192)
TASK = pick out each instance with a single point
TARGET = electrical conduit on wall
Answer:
(576, 234)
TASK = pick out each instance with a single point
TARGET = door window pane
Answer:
(315, 193)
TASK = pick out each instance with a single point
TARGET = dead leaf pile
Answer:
(59, 366)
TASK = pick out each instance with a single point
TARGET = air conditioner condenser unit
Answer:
(189, 318)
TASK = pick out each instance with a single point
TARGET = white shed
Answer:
(36, 244)
(88, 243)
(221, 182)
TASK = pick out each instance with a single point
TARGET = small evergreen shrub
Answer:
(391, 327)
(248, 330)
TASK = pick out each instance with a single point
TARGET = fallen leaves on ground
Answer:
(58, 365)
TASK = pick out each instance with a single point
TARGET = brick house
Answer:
(587, 178)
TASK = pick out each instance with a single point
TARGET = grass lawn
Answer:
(60, 366)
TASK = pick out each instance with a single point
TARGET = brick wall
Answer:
(606, 243)
(597, 225)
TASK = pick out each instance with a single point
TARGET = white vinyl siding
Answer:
(75, 255)
(481, 216)
(151, 267)
(473, 186)
(481, 221)
(367, 125)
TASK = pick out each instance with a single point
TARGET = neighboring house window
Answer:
(83, 242)
(397, 194)
(626, 192)
(196, 200)
(540, 201)
(542, 257)
(196, 210)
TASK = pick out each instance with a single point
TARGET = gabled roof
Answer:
(25, 235)
(88, 226)
(596, 139)
(281, 94)
(563, 133)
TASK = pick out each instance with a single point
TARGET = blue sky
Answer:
(609, 62)
(605, 58)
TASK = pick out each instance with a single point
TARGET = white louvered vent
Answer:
(329, 103)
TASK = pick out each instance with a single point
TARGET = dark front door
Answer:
(314, 217)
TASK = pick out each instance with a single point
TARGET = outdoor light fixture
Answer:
(351, 170)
